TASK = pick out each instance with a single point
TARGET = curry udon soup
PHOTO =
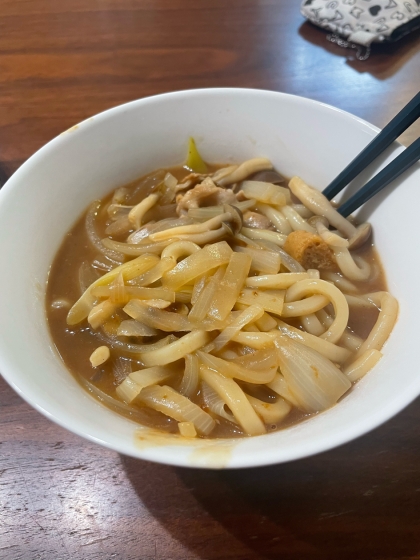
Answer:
(217, 302)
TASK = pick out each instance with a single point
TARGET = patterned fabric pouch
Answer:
(359, 23)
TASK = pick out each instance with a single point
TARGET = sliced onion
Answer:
(214, 403)
(102, 266)
(87, 276)
(140, 234)
(252, 313)
(289, 262)
(133, 350)
(130, 270)
(264, 262)
(146, 186)
(170, 402)
(237, 371)
(228, 290)
(204, 300)
(130, 388)
(279, 386)
(170, 181)
(204, 260)
(261, 360)
(269, 176)
(142, 416)
(157, 318)
(135, 328)
(271, 413)
(121, 369)
(266, 192)
(117, 211)
(314, 380)
(61, 303)
(190, 379)
(94, 238)
(121, 226)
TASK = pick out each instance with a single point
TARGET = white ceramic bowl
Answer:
(42, 200)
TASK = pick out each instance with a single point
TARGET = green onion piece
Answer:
(194, 160)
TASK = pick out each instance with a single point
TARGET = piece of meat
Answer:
(189, 181)
(255, 220)
(204, 194)
(310, 250)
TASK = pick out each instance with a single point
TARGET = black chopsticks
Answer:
(397, 166)
(406, 117)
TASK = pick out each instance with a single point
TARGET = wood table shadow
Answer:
(385, 58)
(360, 501)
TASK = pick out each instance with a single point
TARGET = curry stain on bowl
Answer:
(214, 454)
(71, 129)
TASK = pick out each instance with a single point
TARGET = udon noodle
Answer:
(218, 302)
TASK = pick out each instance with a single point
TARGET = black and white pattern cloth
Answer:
(364, 21)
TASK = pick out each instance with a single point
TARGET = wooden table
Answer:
(64, 498)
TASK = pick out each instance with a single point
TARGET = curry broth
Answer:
(75, 344)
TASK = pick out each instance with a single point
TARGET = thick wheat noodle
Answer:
(330, 237)
(278, 281)
(203, 227)
(296, 222)
(363, 302)
(136, 214)
(272, 412)
(136, 249)
(361, 365)
(349, 340)
(338, 280)
(255, 339)
(276, 218)
(309, 287)
(328, 349)
(320, 205)
(205, 237)
(302, 210)
(230, 392)
(312, 324)
(265, 234)
(244, 170)
(384, 324)
(175, 350)
(305, 306)
(179, 249)
(353, 268)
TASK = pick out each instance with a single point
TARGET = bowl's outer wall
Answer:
(43, 199)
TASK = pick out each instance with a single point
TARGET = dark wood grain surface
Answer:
(64, 498)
